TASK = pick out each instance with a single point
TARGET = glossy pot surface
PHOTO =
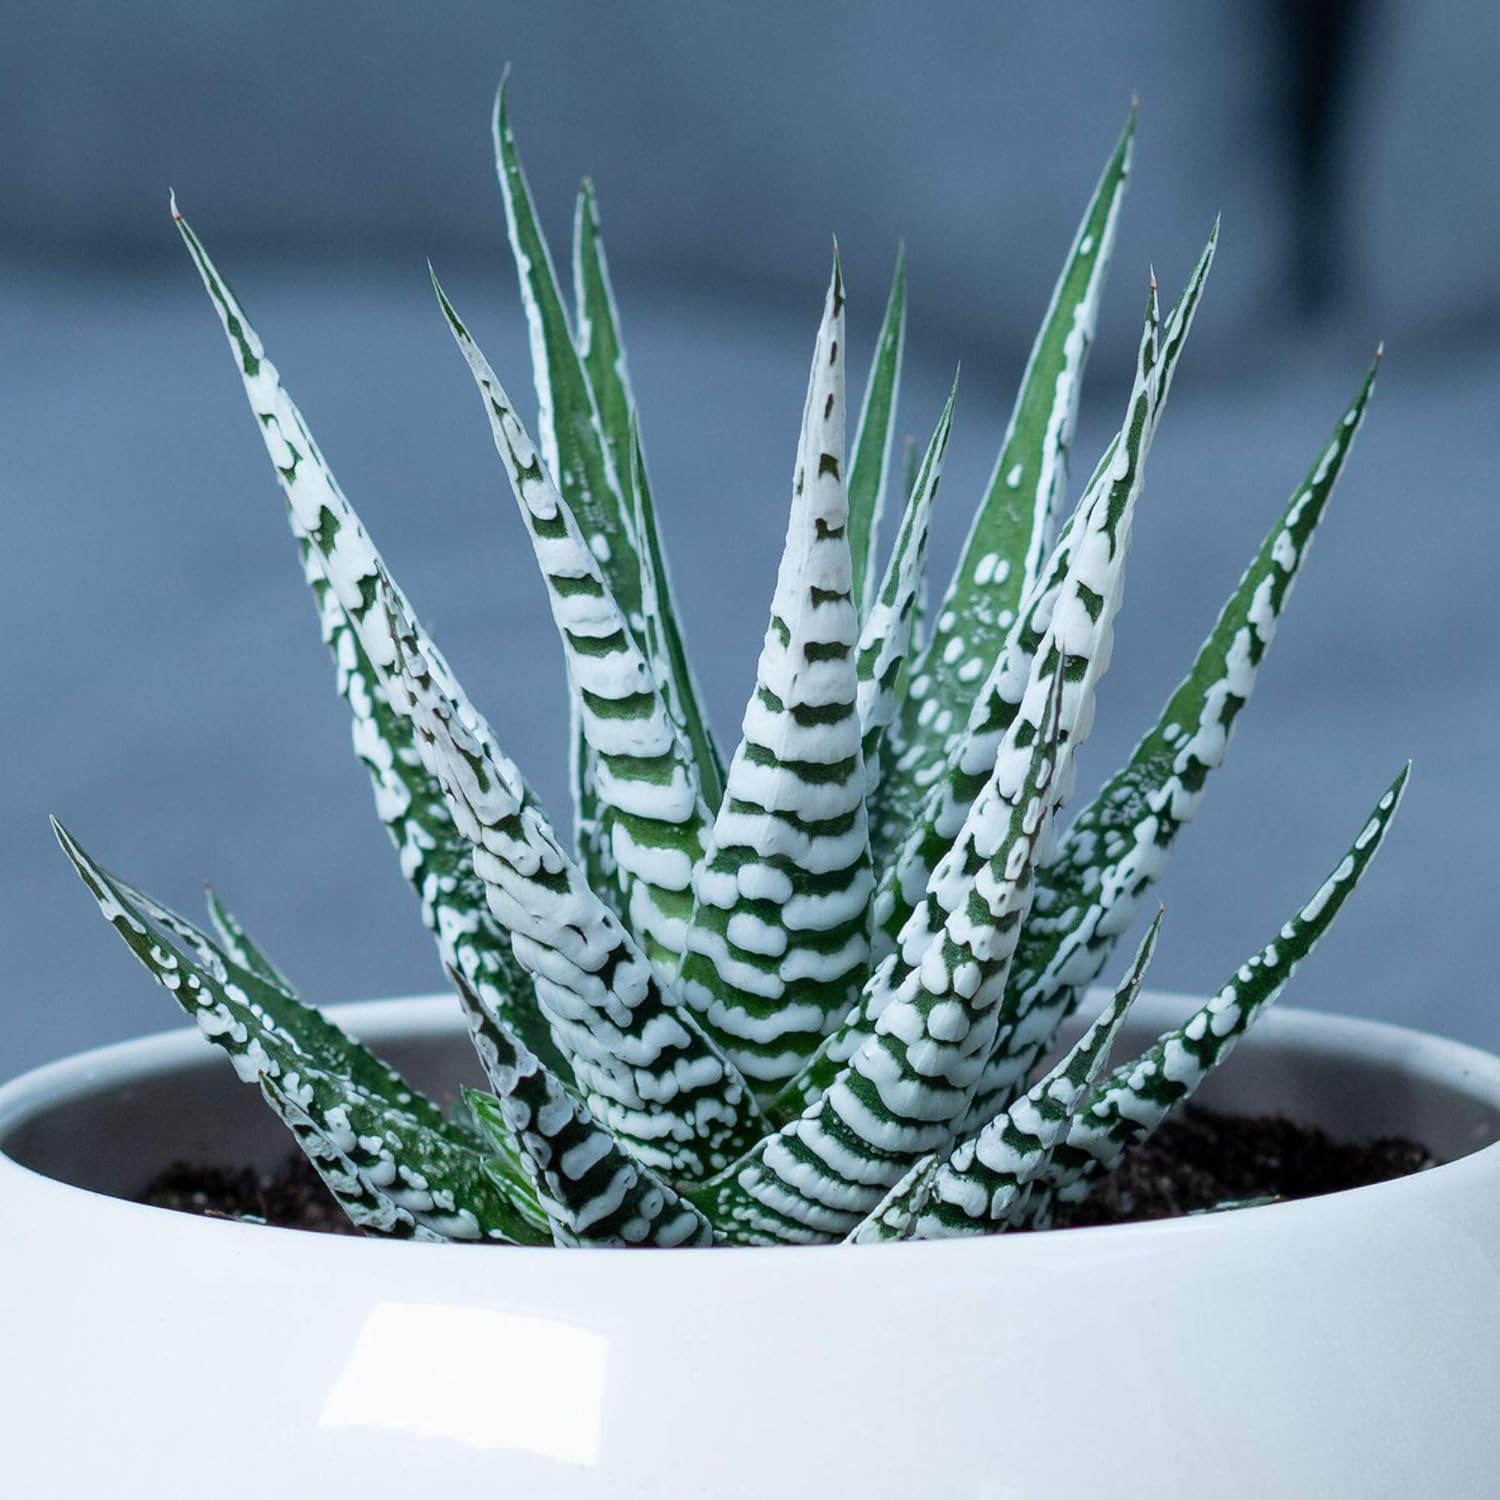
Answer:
(1343, 1346)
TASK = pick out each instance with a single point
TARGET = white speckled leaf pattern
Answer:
(1117, 847)
(779, 942)
(434, 856)
(913, 1074)
(870, 457)
(983, 1185)
(592, 1190)
(799, 1000)
(644, 775)
(952, 780)
(1014, 527)
(1134, 1099)
(647, 1069)
(432, 1170)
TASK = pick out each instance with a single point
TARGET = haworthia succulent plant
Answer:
(800, 1000)
(778, 946)
(870, 460)
(1118, 846)
(1014, 526)
(1128, 1105)
(984, 1183)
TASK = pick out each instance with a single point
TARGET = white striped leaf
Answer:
(1118, 846)
(645, 1066)
(870, 459)
(779, 941)
(346, 1173)
(593, 1191)
(983, 1186)
(1014, 527)
(425, 1165)
(885, 641)
(1128, 1105)
(911, 1079)
(332, 543)
(240, 948)
(645, 777)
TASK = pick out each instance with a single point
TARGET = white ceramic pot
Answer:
(1342, 1346)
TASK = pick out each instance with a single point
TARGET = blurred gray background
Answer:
(167, 694)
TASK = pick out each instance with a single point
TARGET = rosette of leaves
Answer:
(806, 988)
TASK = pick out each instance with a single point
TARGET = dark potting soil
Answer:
(1198, 1160)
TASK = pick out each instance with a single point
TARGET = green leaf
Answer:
(949, 766)
(1133, 1100)
(646, 1068)
(347, 1172)
(399, 1142)
(911, 1078)
(644, 774)
(983, 1186)
(1118, 846)
(602, 351)
(885, 641)
(1013, 530)
(341, 566)
(241, 949)
(871, 460)
(779, 942)
(594, 1192)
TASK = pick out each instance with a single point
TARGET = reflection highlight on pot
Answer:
(512, 1382)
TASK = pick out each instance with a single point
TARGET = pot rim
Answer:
(1423, 1057)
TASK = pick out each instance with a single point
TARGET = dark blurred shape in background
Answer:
(166, 688)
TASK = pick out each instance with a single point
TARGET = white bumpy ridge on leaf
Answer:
(646, 1068)
(983, 1186)
(779, 942)
(645, 777)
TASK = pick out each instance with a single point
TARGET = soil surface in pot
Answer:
(1199, 1160)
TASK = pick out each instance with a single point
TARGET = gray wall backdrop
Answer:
(166, 691)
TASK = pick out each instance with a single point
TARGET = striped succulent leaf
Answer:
(645, 777)
(333, 545)
(1113, 492)
(346, 1173)
(433, 1170)
(602, 351)
(885, 641)
(983, 1186)
(913, 1075)
(870, 461)
(1117, 847)
(779, 942)
(593, 1191)
(1127, 1106)
(645, 1066)
(1013, 529)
